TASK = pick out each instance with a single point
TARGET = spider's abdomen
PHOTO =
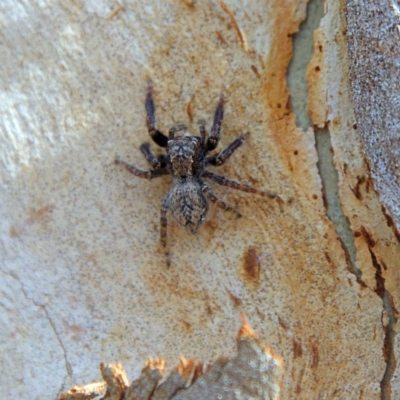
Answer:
(188, 204)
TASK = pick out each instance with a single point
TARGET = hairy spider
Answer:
(186, 160)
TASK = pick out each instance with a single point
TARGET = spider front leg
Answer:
(220, 158)
(154, 173)
(153, 160)
(164, 221)
(219, 203)
(157, 136)
(215, 134)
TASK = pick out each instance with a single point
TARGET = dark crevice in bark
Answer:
(390, 333)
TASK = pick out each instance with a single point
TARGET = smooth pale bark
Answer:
(84, 279)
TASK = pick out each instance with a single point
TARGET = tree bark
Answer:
(85, 280)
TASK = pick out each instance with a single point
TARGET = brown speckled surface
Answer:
(84, 279)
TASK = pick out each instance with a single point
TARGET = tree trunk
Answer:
(85, 279)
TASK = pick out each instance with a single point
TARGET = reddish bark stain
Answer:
(283, 324)
(235, 25)
(186, 326)
(356, 190)
(255, 70)
(315, 354)
(371, 242)
(14, 232)
(297, 349)
(189, 109)
(237, 302)
(40, 214)
(220, 37)
(251, 265)
(114, 12)
(191, 5)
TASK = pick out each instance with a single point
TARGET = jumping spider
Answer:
(186, 160)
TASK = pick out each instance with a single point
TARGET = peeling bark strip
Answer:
(374, 56)
(256, 372)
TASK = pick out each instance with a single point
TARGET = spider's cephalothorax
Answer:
(185, 155)
(186, 160)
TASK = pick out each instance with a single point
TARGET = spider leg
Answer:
(219, 203)
(220, 158)
(215, 133)
(157, 136)
(154, 173)
(156, 162)
(221, 180)
(164, 221)
(203, 133)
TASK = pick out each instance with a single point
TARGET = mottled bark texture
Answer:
(373, 37)
(84, 279)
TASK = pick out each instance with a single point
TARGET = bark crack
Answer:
(51, 323)
(390, 333)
